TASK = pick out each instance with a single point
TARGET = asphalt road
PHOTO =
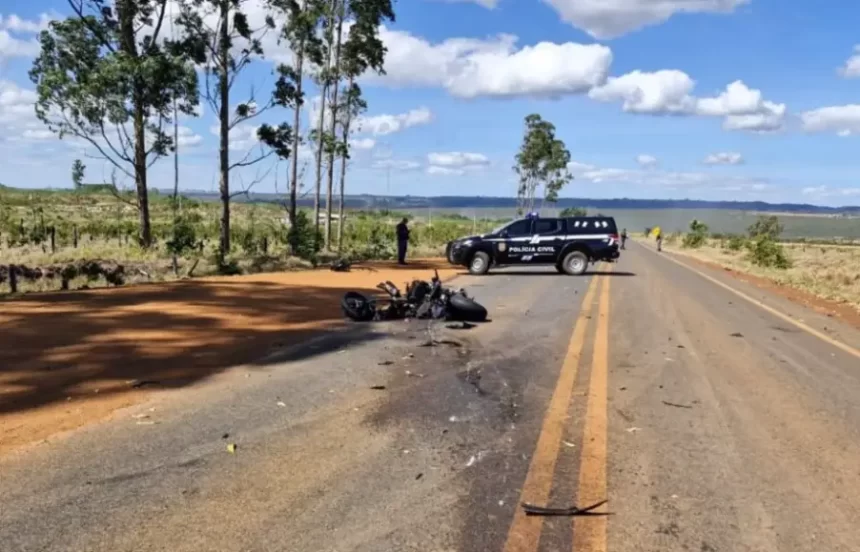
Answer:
(710, 419)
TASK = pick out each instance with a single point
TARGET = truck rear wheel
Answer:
(480, 263)
(575, 263)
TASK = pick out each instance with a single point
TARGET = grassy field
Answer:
(828, 271)
(41, 229)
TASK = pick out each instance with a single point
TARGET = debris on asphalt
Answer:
(378, 387)
(281, 404)
(225, 436)
(681, 347)
(385, 363)
(413, 375)
(453, 419)
(532, 510)
(408, 356)
(145, 422)
(231, 448)
(622, 389)
(633, 429)
(434, 342)
(140, 416)
(737, 334)
(471, 461)
(676, 405)
(419, 476)
(136, 384)
(461, 326)
(568, 444)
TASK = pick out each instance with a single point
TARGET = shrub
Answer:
(698, 235)
(573, 212)
(736, 243)
(767, 226)
(766, 252)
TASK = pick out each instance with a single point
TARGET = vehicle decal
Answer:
(502, 246)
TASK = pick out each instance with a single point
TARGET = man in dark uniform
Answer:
(402, 241)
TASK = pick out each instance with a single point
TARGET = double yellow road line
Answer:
(589, 533)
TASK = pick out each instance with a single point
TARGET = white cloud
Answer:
(841, 119)
(382, 125)
(851, 69)
(363, 143)
(670, 92)
(396, 164)
(611, 18)
(576, 167)
(242, 137)
(444, 171)
(457, 159)
(828, 192)
(724, 158)
(14, 23)
(187, 138)
(646, 161)
(469, 68)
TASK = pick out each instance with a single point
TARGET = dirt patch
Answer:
(67, 359)
(841, 311)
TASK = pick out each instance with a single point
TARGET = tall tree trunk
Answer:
(145, 236)
(329, 200)
(224, 116)
(321, 125)
(126, 12)
(175, 181)
(294, 169)
(345, 142)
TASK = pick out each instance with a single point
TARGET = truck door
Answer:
(549, 240)
(513, 245)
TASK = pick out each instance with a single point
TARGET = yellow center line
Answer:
(524, 533)
(798, 324)
(589, 533)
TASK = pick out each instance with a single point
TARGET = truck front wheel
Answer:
(479, 264)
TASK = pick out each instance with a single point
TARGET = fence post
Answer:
(266, 244)
(75, 235)
(53, 239)
(13, 278)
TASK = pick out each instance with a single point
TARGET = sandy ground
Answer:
(68, 359)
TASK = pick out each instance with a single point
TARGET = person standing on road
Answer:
(659, 240)
(402, 241)
(623, 238)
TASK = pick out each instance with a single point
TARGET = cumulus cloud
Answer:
(495, 67)
(17, 38)
(670, 92)
(362, 143)
(455, 162)
(457, 159)
(383, 125)
(843, 120)
(646, 161)
(611, 18)
(828, 192)
(851, 69)
(187, 138)
(396, 164)
(682, 181)
(724, 158)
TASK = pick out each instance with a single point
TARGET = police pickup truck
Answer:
(567, 243)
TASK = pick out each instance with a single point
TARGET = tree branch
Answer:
(78, 8)
(245, 163)
(160, 21)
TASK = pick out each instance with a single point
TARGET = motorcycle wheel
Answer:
(464, 309)
(357, 307)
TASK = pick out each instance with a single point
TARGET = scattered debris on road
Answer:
(532, 510)
(676, 405)
(137, 384)
(231, 448)
(281, 404)
(737, 334)
(568, 444)
(413, 375)
(462, 326)
(225, 436)
(633, 429)
(385, 363)
(378, 387)
(419, 476)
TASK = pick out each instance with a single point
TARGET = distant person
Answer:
(402, 241)
(659, 240)
(623, 238)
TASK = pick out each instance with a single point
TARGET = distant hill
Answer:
(366, 201)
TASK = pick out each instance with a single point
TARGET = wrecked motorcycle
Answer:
(425, 300)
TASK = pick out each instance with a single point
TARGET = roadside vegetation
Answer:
(827, 270)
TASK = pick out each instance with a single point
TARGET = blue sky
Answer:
(711, 99)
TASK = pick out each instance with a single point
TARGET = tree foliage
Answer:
(766, 225)
(698, 234)
(78, 171)
(573, 212)
(541, 162)
(108, 68)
